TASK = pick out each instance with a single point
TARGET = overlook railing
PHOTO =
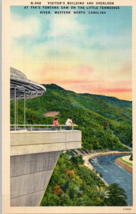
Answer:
(38, 127)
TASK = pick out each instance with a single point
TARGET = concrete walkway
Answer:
(97, 154)
(126, 158)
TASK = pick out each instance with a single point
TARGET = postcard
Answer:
(68, 106)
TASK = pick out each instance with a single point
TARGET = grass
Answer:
(130, 164)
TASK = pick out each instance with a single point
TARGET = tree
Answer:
(57, 190)
(116, 196)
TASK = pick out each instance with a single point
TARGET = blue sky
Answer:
(80, 52)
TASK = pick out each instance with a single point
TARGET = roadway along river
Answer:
(112, 173)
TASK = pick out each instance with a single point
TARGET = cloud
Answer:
(106, 41)
(85, 70)
(126, 69)
(60, 26)
(24, 27)
(66, 31)
(116, 90)
(49, 49)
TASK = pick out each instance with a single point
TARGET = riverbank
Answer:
(98, 154)
(87, 164)
(124, 165)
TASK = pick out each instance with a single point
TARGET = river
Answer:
(112, 173)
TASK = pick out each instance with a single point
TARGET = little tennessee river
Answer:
(113, 173)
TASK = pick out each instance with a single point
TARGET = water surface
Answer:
(113, 173)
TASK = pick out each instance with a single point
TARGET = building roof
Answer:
(24, 87)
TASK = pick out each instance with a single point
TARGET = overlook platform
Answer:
(29, 142)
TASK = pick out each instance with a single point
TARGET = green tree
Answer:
(116, 196)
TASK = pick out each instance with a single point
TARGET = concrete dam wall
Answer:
(29, 177)
(33, 158)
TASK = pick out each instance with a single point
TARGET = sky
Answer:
(84, 53)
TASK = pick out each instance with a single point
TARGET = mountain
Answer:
(105, 122)
(113, 100)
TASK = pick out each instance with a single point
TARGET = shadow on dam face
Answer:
(29, 177)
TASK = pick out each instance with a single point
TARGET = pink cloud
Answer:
(70, 82)
(121, 88)
(126, 68)
(85, 70)
(93, 86)
(116, 90)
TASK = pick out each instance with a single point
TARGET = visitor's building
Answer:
(33, 152)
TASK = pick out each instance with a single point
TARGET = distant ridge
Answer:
(113, 100)
(53, 86)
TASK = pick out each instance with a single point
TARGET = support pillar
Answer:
(15, 108)
(24, 111)
(16, 113)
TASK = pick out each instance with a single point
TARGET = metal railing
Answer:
(33, 127)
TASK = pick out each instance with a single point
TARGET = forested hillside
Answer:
(73, 184)
(112, 100)
(103, 124)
